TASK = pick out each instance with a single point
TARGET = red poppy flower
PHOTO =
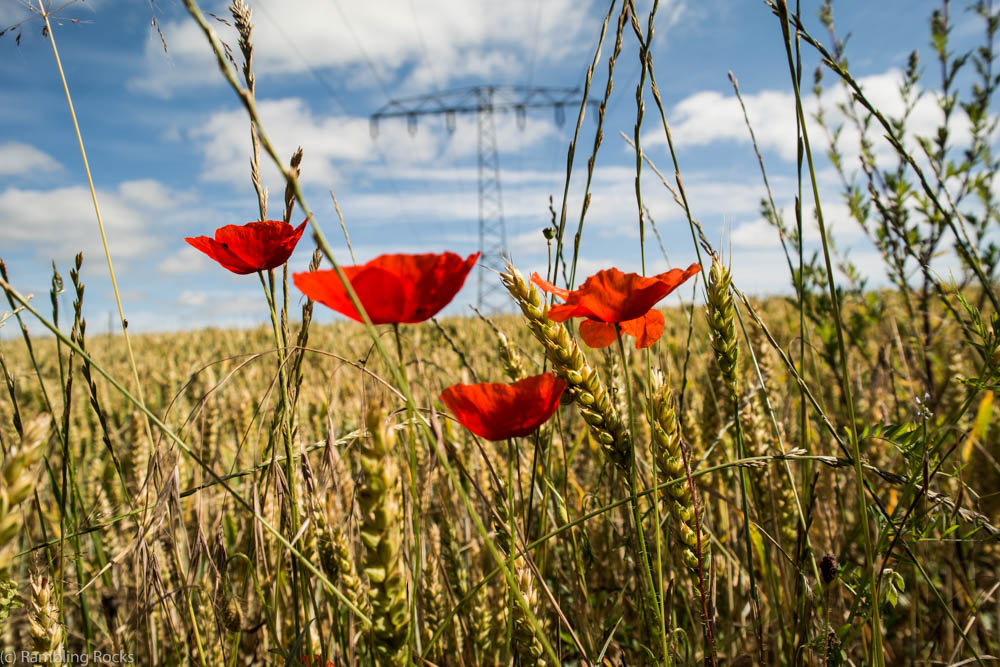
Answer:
(402, 289)
(255, 246)
(611, 297)
(501, 411)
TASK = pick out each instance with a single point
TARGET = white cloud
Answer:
(18, 158)
(708, 117)
(186, 261)
(230, 305)
(758, 233)
(60, 222)
(150, 194)
(194, 298)
(612, 213)
(430, 43)
(224, 141)
(195, 309)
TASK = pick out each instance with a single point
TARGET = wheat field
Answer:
(807, 479)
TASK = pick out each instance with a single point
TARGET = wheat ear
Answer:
(722, 323)
(17, 483)
(381, 519)
(47, 632)
(670, 462)
(526, 645)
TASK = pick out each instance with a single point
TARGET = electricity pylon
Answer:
(483, 101)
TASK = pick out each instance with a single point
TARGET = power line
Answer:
(531, 80)
(423, 48)
(364, 52)
(534, 44)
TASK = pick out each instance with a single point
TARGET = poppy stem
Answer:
(634, 485)
(415, 552)
(286, 422)
(511, 529)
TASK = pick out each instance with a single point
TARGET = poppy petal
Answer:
(266, 245)
(255, 246)
(221, 254)
(286, 247)
(546, 286)
(562, 312)
(386, 296)
(646, 329)
(202, 243)
(325, 287)
(675, 277)
(393, 288)
(383, 295)
(597, 334)
(500, 411)
(439, 285)
(611, 295)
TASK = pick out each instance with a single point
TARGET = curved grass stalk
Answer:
(97, 211)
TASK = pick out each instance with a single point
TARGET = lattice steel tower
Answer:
(483, 101)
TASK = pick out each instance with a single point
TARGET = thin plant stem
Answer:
(97, 211)
(633, 489)
(286, 427)
(571, 153)
(416, 555)
(877, 656)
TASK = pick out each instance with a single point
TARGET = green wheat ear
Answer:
(526, 645)
(722, 323)
(513, 362)
(381, 519)
(335, 555)
(669, 459)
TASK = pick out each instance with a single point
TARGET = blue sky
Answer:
(169, 144)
